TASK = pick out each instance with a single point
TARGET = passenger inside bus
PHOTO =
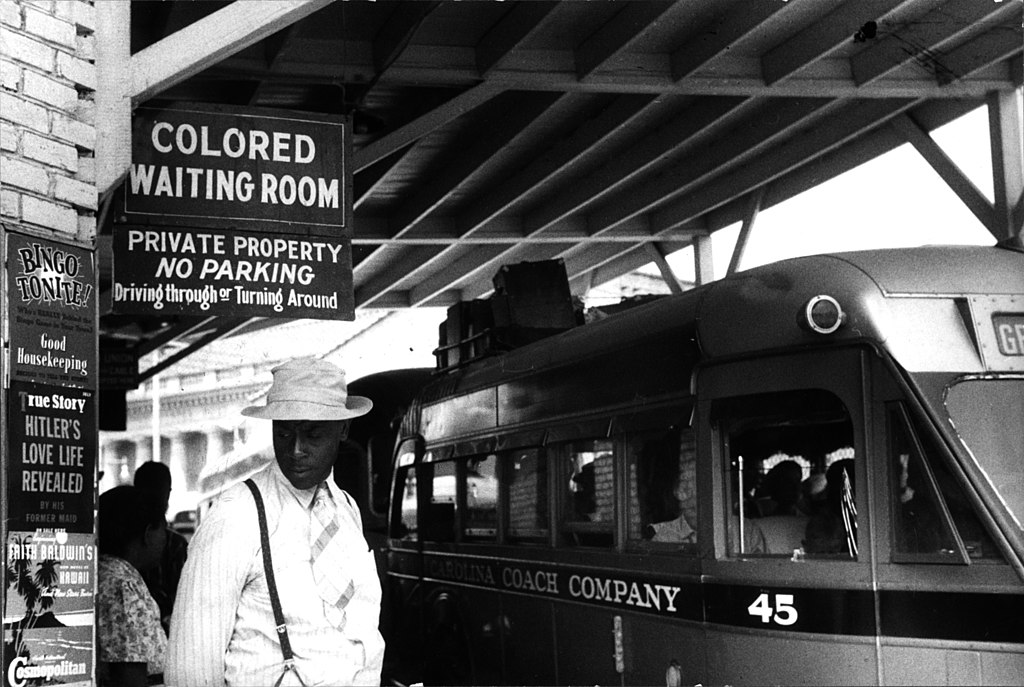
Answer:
(678, 529)
(664, 489)
(776, 442)
(781, 522)
(834, 529)
(590, 492)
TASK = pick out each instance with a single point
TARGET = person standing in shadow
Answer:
(154, 481)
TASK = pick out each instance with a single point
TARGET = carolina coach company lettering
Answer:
(565, 582)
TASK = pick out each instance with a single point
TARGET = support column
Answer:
(216, 440)
(143, 454)
(703, 262)
(176, 463)
(113, 104)
(1007, 163)
(658, 255)
(753, 208)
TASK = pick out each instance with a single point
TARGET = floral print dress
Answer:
(128, 618)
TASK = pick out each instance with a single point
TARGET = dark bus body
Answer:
(606, 505)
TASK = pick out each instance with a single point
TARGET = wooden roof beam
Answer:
(465, 268)
(397, 31)
(512, 31)
(917, 41)
(424, 124)
(954, 177)
(639, 158)
(798, 151)
(658, 255)
(209, 40)
(619, 33)
(836, 162)
(708, 161)
(487, 149)
(275, 47)
(403, 261)
(626, 111)
(821, 37)
(746, 229)
(368, 179)
(710, 41)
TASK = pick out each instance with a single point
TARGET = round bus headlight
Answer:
(822, 314)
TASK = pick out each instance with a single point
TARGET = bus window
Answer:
(789, 462)
(438, 523)
(406, 519)
(987, 415)
(663, 489)
(527, 477)
(589, 492)
(931, 514)
(481, 488)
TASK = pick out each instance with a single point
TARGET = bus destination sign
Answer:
(1009, 333)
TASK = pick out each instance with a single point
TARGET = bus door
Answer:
(402, 586)
(788, 583)
(446, 570)
(951, 609)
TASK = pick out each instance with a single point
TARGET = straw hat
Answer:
(309, 389)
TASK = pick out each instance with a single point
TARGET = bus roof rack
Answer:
(531, 301)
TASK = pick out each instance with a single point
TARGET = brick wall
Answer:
(47, 117)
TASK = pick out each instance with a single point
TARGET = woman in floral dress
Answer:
(131, 642)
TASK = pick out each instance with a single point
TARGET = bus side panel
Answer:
(912, 664)
(741, 657)
(586, 645)
(449, 619)
(529, 641)
(401, 625)
(653, 645)
(481, 616)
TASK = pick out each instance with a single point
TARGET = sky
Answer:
(895, 200)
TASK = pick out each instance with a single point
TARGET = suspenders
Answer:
(275, 601)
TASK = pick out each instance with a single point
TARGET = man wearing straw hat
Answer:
(313, 620)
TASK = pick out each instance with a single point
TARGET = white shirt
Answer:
(223, 628)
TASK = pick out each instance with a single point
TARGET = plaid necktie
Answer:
(327, 556)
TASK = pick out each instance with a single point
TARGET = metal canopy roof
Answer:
(608, 134)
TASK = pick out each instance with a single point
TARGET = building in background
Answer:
(194, 406)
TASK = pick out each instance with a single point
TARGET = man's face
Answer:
(306, 449)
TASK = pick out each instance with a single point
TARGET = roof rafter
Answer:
(486, 149)
(748, 138)
(620, 32)
(424, 124)
(818, 39)
(710, 41)
(647, 153)
(919, 41)
(812, 143)
(514, 29)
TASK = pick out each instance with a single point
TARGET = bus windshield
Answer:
(987, 414)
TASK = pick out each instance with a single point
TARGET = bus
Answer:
(810, 472)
